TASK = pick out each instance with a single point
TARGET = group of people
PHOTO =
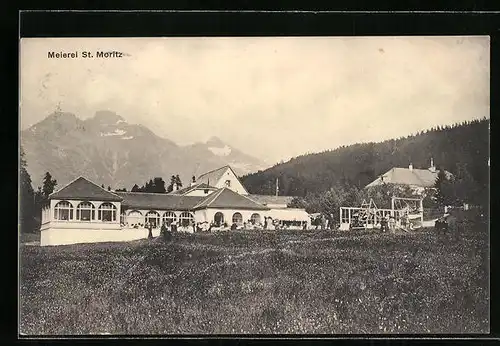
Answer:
(388, 223)
(441, 224)
(165, 232)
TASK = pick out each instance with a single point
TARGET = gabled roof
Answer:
(188, 189)
(405, 176)
(213, 176)
(268, 199)
(227, 198)
(162, 201)
(82, 188)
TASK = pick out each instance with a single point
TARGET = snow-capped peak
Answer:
(224, 151)
(114, 133)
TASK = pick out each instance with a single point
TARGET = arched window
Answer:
(107, 212)
(169, 217)
(237, 218)
(186, 219)
(134, 218)
(218, 219)
(63, 211)
(85, 211)
(152, 217)
(255, 219)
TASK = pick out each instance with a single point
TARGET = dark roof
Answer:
(82, 188)
(227, 198)
(162, 201)
(188, 189)
(405, 176)
(212, 176)
(269, 199)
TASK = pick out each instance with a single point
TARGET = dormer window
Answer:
(228, 183)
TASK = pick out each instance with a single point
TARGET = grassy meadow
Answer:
(261, 283)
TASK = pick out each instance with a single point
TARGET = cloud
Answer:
(271, 97)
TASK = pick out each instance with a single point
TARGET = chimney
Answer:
(193, 181)
(410, 167)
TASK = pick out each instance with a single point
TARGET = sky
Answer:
(271, 97)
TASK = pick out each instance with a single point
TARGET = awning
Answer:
(289, 214)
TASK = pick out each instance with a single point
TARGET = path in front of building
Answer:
(31, 243)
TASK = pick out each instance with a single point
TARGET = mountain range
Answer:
(110, 151)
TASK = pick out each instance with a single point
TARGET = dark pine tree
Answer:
(135, 188)
(159, 185)
(444, 190)
(49, 185)
(27, 205)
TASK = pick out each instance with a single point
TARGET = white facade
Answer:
(57, 236)
(138, 217)
(230, 180)
(199, 192)
(230, 215)
(55, 217)
(63, 220)
(86, 219)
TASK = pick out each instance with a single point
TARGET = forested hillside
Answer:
(454, 148)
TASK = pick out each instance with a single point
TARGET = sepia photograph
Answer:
(254, 185)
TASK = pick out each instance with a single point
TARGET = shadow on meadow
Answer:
(259, 283)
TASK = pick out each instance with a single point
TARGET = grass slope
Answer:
(242, 282)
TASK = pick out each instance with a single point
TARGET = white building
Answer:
(83, 212)
(223, 177)
(417, 179)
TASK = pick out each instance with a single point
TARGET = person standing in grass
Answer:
(167, 236)
(150, 229)
(383, 224)
(441, 225)
(392, 223)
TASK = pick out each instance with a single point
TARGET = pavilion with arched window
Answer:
(107, 212)
(186, 219)
(237, 218)
(84, 212)
(169, 217)
(255, 219)
(153, 218)
(218, 219)
(63, 211)
(77, 208)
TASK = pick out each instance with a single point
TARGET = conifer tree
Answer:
(26, 205)
(159, 185)
(444, 191)
(49, 185)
